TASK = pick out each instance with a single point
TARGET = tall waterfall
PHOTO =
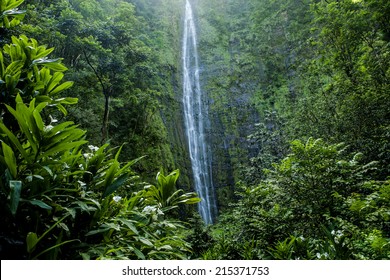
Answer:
(195, 117)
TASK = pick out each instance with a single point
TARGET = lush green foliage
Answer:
(123, 77)
(10, 14)
(283, 70)
(320, 67)
(60, 198)
(139, 227)
(299, 128)
(318, 203)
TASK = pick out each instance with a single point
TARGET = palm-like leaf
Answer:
(165, 193)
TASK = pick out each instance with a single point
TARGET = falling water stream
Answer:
(195, 117)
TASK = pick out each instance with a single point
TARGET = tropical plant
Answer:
(26, 70)
(57, 194)
(10, 15)
(318, 202)
(135, 231)
(165, 194)
(140, 226)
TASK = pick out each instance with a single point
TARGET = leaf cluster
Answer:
(317, 203)
(61, 198)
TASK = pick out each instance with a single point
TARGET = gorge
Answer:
(238, 129)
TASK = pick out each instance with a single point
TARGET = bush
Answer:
(59, 196)
(318, 202)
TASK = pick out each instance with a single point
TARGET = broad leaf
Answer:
(62, 147)
(129, 224)
(31, 240)
(14, 141)
(96, 231)
(7, 5)
(120, 181)
(9, 158)
(138, 253)
(40, 204)
(146, 241)
(16, 188)
(62, 87)
(110, 174)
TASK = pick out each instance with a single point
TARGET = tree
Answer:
(57, 196)
(318, 202)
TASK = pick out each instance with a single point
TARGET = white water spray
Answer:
(195, 115)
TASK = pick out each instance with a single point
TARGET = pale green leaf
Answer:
(62, 87)
(31, 240)
(10, 159)
(146, 241)
(40, 204)
(138, 253)
(14, 141)
(16, 188)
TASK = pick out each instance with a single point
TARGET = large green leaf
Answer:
(110, 174)
(58, 128)
(20, 116)
(38, 120)
(67, 100)
(120, 181)
(145, 241)
(14, 141)
(40, 204)
(189, 199)
(43, 52)
(29, 123)
(16, 188)
(61, 87)
(10, 4)
(129, 224)
(10, 16)
(2, 68)
(31, 240)
(138, 253)
(62, 147)
(53, 64)
(10, 159)
(53, 82)
(167, 184)
(62, 109)
(66, 136)
(14, 67)
(129, 164)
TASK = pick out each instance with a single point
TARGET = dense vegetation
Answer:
(62, 198)
(299, 126)
(306, 99)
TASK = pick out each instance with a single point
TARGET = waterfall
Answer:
(195, 117)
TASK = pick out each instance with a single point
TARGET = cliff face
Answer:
(245, 52)
(162, 22)
(229, 77)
